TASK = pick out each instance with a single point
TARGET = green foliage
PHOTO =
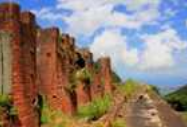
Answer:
(5, 100)
(184, 116)
(84, 75)
(115, 78)
(53, 118)
(6, 104)
(95, 109)
(72, 82)
(97, 67)
(178, 99)
(128, 88)
(118, 123)
(154, 89)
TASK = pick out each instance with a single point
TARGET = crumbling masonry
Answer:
(35, 61)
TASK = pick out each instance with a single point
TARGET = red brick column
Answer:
(52, 64)
(83, 92)
(28, 29)
(10, 22)
(106, 73)
(97, 88)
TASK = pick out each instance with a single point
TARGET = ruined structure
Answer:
(18, 68)
(83, 89)
(41, 62)
(106, 73)
(53, 69)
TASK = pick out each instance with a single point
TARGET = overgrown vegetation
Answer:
(118, 123)
(6, 106)
(84, 75)
(154, 89)
(115, 78)
(96, 67)
(5, 100)
(95, 109)
(53, 118)
(178, 99)
(184, 116)
(128, 88)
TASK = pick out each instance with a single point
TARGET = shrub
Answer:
(178, 99)
(53, 118)
(153, 88)
(128, 88)
(84, 75)
(95, 109)
(97, 67)
(5, 100)
(115, 78)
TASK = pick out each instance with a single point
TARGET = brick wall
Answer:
(42, 62)
(106, 73)
(53, 70)
(10, 22)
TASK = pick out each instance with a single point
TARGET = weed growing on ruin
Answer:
(97, 67)
(5, 100)
(53, 118)
(84, 75)
(95, 109)
(6, 107)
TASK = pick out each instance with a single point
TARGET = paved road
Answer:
(150, 111)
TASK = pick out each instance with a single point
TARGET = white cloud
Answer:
(48, 14)
(89, 15)
(186, 22)
(157, 54)
(112, 43)
(160, 48)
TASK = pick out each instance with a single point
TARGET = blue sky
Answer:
(146, 39)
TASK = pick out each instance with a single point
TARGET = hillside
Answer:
(178, 99)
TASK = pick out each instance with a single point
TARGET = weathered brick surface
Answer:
(10, 23)
(43, 63)
(106, 74)
(88, 57)
(28, 32)
(84, 60)
(46, 61)
(97, 88)
(83, 93)
(53, 70)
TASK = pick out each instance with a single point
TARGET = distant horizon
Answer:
(146, 40)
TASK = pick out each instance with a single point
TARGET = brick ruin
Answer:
(35, 61)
